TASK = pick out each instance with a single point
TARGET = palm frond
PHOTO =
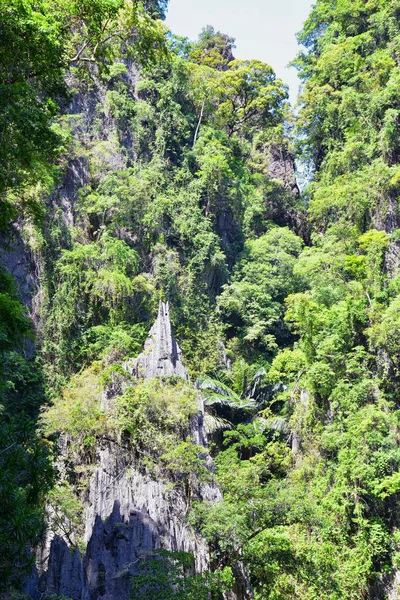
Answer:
(212, 424)
(235, 403)
(255, 382)
(207, 383)
(279, 424)
(216, 393)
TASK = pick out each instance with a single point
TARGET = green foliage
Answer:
(66, 513)
(77, 411)
(31, 76)
(25, 476)
(169, 576)
(310, 481)
(26, 473)
(249, 97)
(295, 341)
(186, 464)
(349, 120)
(99, 292)
(171, 224)
(114, 342)
(213, 49)
(14, 324)
(254, 302)
(156, 415)
(40, 43)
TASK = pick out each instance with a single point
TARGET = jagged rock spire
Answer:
(161, 356)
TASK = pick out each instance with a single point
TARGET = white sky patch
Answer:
(264, 29)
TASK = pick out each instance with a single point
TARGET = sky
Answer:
(264, 29)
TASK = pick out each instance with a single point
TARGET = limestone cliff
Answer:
(162, 355)
(127, 513)
(17, 257)
(281, 167)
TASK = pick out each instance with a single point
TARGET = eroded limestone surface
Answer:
(127, 514)
(162, 356)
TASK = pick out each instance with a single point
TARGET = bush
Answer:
(155, 414)
(77, 411)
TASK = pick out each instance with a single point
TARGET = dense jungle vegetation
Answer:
(137, 166)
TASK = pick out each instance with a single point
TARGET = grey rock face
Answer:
(127, 513)
(386, 217)
(280, 166)
(162, 355)
(117, 482)
(393, 258)
(281, 204)
(18, 259)
(394, 589)
(127, 516)
(65, 570)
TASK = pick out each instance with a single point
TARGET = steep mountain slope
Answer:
(168, 175)
(142, 213)
(154, 201)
